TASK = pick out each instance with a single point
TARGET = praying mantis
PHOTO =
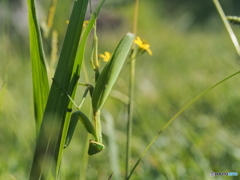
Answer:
(104, 83)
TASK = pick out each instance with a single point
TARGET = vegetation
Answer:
(186, 60)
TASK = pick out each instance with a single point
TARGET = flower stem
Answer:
(130, 115)
(84, 164)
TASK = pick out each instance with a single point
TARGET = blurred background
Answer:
(191, 52)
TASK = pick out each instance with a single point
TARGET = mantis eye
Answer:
(95, 147)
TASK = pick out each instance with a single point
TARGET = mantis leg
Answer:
(94, 146)
(88, 89)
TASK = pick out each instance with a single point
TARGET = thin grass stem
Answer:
(85, 157)
(131, 96)
(130, 116)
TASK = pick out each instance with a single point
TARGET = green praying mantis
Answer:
(104, 83)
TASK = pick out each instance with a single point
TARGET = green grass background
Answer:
(187, 59)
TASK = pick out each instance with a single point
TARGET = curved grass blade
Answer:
(39, 72)
(87, 31)
(174, 117)
(110, 72)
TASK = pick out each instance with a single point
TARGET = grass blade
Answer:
(87, 31)
(39, 72)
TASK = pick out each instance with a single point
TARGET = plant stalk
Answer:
(131, 95)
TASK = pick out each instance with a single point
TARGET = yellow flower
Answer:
(106, 56)
(85, 23)
(143, 45)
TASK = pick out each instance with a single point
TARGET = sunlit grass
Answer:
(184, 64)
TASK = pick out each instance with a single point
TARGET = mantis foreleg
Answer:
(94, 146)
